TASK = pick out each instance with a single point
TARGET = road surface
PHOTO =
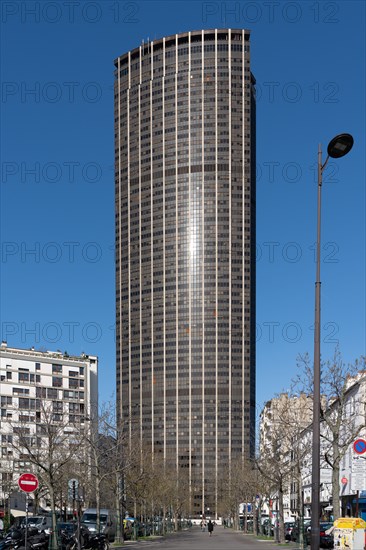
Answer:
(195, 539)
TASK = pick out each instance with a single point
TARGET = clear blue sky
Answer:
(57, 154)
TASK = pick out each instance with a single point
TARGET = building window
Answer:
(20, 391)
(56, 382)
(41, 392)
(56, 369)
(57, 406)
(6, 452)
(38, 366)
(69, 394)
(21, 430)
(6, 477)
(6, 400)
(26, 403)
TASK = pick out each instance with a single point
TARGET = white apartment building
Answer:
(283, 417)
(32, 382)
(352, 475)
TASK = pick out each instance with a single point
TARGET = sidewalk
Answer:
(270, 543)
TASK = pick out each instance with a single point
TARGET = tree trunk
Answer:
(118, 506)
(237, 520)
(255, 523)
(164, 520)
(281, 525)
(245, 519)
(97, 500)
(335, 481)
(54, 544)
(260, 524)
(301, 508)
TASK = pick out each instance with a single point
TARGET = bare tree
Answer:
(275, 466)
(108, 464)
(342, 411)
(264, 489)
(169, 491)
(140, 480)
(180, 496)
(53, 445)
(153, 488)
(240, 487)
(7, 486)
(284, 418)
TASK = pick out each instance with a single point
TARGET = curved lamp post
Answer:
(338, 147)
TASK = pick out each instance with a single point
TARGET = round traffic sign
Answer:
(359, 446)
(28, 483)
(344, 480)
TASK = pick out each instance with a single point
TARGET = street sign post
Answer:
(73, 487)
(73, 493)
(28, 483)
(358, 473)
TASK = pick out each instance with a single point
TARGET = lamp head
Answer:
(340, 145)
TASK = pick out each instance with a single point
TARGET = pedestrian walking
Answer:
(210, 527)
(203, 525)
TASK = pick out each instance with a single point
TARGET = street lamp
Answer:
(338, 147)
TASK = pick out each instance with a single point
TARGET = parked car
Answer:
(268, 527)
(326, 540)
(42, 523)
(144, 530)
(45, 525)
(30, 521)
(289, 525)
(107, 522)
(295, 533)
(68, 527)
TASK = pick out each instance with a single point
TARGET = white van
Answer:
(107, 522)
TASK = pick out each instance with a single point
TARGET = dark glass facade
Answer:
(185, 252)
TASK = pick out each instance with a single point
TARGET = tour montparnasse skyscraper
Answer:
(185, 253)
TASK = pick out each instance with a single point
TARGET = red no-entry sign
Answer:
(28, 483)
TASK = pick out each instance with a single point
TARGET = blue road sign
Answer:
(359, 446)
